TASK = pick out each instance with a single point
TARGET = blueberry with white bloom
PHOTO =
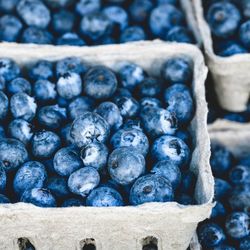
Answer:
(171, 148)
(12, 153)
(151, 188)
(44, 144)
(66, 161)
(104, 197)
(40, 197)
(21, 130)
(83, 181)
(100, 82)
(125, 165)
(95, 155)
(23, 106)
(131, 137)
(69, 85)
(31, 174)
(89, 127)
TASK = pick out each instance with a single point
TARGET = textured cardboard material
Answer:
(231, 74)
(119, 228)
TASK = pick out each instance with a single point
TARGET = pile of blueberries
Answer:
(229, 21)
(229, 225)
(73, 134)
(92, 22)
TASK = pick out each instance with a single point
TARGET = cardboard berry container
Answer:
(236, 139)
(167, 225)
(184, 5)
(231, 74)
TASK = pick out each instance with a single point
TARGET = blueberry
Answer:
(9, 70)
(169, 170)
(18, 85)
(179, 102)
(185, 136)
(188, 182)
(222, 189)
(4, 105)
(118, 16)
(21, 130)
(83, 181)
(218, 211)
(34, 13)
(104, 197)
(65, 134)
(71, 39)
(132, 34)
(52, 116)
(171, 148)
(23, 106)
(149, 87)
(63, 21)
(73, 202)
(111, 113)
(131, 75)
(185, 199)
(121, 92)
(223, 18)
(40, 197)
(151, 188)
(3, 178)
(70, 65)
(36, 36)
(245, 243)
(139, 10)
(173, 2)
(236, 117)
(163, 18)
(100, 82)
(10, 28)
(239, 198)
(79, 106)
(2, 132)
(4, 199)
(150, 102)
(179, 34)
(44, 144)
(128, 107)
(125, 165)
(95, 155)
(232, 48)
(221, 159)
(31, 174)
(8, 6)
(69, 85)
(158, 121)
(12, 153)
(237, 225)
(240, 175)
(177, 70)
(2, 84)
(59, 3)
(245, 6)
(131, 137)
(66, 161)
(88, 128)
(41, 70)
(244, 34)
(94, 26)
(44, 90)
(58, 187)
(84, 7)
(210, 235)
(245, 161)
(223, 247)
(133, 123)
